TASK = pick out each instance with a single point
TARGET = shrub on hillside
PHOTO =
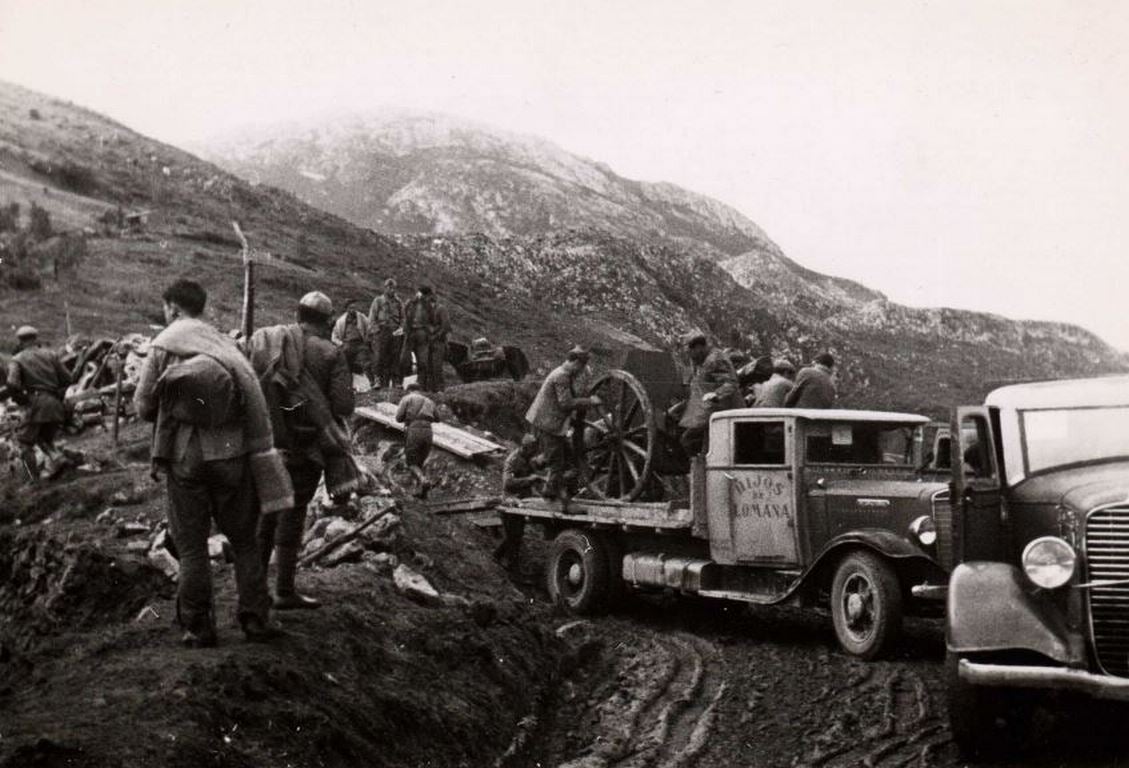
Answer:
(40, 225)
(10, 217)
(75, 177)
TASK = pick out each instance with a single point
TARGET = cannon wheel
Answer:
(619, 438)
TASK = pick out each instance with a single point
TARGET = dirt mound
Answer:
(48, 586)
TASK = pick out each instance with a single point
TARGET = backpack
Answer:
(288, 406)
(200, 391)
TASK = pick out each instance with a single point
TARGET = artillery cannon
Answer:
(630, 442)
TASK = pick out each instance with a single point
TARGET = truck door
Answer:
(754, 492)
(976, 498)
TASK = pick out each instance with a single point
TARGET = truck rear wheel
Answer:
(866, 605)
(578, 572)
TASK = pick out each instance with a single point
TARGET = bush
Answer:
(10, 217)
(33, 113)
(76, 178)
(22, 278)
(40, 226)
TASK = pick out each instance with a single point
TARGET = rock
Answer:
(414, 585)
(125, 530)
(454, 601)
(337, 528)
(137, 547)
(346, 553)
(165, 562)
(219, 548)
(380, 562)
(106, 516)
(423, 561)
(384, 534)
(317, 530)
(124, 499)
(313, 545)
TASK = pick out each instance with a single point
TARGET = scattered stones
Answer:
(384, 534)
(380, 562)
(414, 585)
(125, 530)
(137, 547)
(165, 562)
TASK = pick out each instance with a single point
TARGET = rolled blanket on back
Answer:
(189, 336)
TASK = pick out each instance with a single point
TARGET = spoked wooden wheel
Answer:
(619, 438)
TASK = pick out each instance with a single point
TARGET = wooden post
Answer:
(117, 396)
(67, 317)
(247, 324)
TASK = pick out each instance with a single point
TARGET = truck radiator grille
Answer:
(1107, 558)
(943, 519)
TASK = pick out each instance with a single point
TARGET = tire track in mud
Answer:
(884, 715)
(657, 712)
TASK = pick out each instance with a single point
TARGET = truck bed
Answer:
(662, 515)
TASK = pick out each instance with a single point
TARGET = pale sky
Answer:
(966, 154)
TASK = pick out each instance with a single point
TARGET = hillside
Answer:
(543, 291)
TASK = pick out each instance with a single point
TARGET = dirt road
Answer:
(670, 684)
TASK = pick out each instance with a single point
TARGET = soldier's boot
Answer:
(286, 596)
(201, 632)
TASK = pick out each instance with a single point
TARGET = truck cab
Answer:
(803, 506)
(1039, 598)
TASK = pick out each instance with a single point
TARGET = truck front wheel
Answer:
(578, 572)
(866, 605)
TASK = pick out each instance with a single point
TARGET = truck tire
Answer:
(578, 572)
(985, 722)
(866, 605)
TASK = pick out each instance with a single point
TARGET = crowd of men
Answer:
(381, 344)
(245, 432)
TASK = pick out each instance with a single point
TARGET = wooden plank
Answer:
(664, 515)
(444, 436)
(486, 521)
(457, 506)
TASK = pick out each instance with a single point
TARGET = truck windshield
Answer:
(1062, 436)
(860, 443)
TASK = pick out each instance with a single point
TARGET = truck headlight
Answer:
(924, 530)
(1049, 562)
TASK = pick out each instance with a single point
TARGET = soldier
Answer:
(437, 332)
(352, 333)
(213, 439)
(417, 340)
(556, 403)
(318, 379)
(385, 317)
(519, 478)
(815, 385)
(713, 387)
(38, 381)
(771, 394)
(417, 411)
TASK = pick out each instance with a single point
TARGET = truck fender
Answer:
(992, 607)
(878, 540)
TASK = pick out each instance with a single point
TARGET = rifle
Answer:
(247, 325)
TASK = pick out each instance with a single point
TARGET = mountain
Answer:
(601, 283)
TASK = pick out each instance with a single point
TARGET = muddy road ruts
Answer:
(691, 683)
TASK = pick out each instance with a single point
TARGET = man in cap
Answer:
(417, 411)
(38, 381)
(317, 379)
(713, 387)
(212, 437)
(560, 397)
(771, 394)
(815, 385)
(418, 321)
(385, 317)
(437, 332)
(520, 479)
(352, 333)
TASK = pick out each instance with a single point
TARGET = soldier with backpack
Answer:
(212, 438)
(308, 388)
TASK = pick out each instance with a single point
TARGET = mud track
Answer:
(669, 683)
